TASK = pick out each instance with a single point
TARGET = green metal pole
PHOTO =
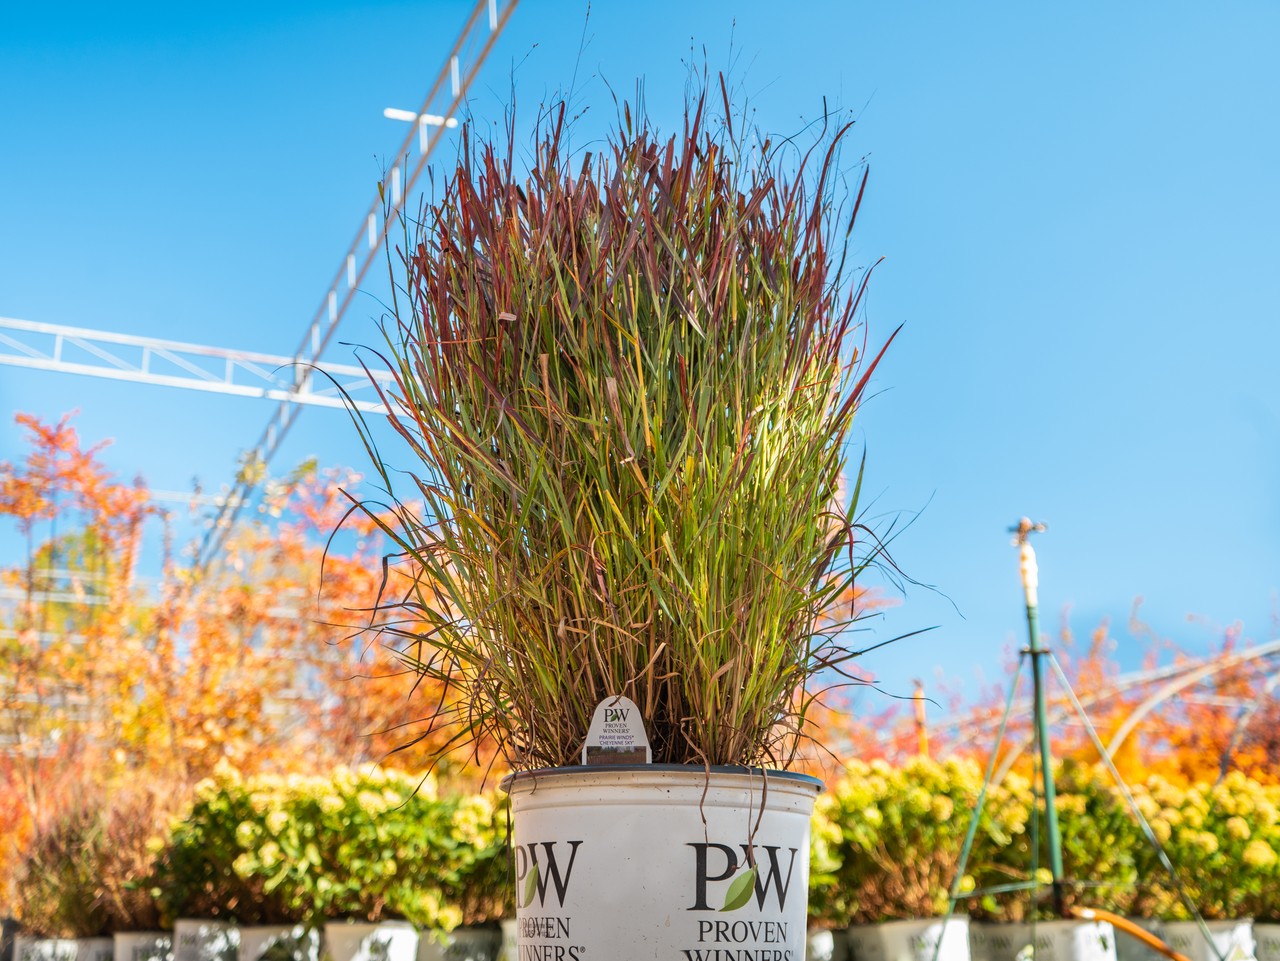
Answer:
(1030, 585)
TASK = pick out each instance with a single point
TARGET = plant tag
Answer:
(617, 734)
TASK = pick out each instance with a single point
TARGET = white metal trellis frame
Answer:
(1173, 680)
(171, 363)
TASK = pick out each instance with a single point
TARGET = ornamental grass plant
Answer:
(626, 380)
(56, 884)
(83, 874)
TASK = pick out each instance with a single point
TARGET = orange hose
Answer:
(1128, 927)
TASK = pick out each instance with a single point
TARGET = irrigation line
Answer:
(1001, 889)
(1039, 797)
(1134, 809)
(966, 849)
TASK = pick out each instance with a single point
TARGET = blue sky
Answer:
(1078, 208)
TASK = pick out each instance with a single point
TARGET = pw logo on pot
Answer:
(543, 865)
(746, 884)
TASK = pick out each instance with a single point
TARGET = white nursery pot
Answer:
(1267, 938)
(911, 940)
(1047, 941)
(1129, 948)
(27, 948)
(1185, 937)
(827, 945)
(95, 949)
(460, 944)
(279, 942)
(205, 941)
(508, 951)
(143, 946)
(639, 862)
(363, 941)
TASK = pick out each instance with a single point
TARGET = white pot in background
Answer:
(95, 949)
(363, 941)
(195, 940)
(509, 951)
(1267, 938)
(635, 862)
(911, 940)
(827, 945)
(28, 948)
(62, 949)
(1043, 941)
(143, 946)
(1230, 939)
(460, 944)
(1129, 948)
(279, 942)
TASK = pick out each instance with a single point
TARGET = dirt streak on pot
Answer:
(627, 380)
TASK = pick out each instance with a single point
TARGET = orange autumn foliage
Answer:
(1202, 730)
(105, 678)
(848, 718)
(1196, 733)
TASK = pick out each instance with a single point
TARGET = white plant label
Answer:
(617, 734)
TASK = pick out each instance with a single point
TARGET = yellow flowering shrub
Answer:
(1223, 841)
(889, 839)
(365, 844)
(886, 843)
(1099, 841)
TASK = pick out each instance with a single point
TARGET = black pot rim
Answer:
(605, 769)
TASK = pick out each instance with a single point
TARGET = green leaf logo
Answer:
(530, 885)
(740, 890)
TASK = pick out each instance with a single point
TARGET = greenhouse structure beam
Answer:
(171, 363)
